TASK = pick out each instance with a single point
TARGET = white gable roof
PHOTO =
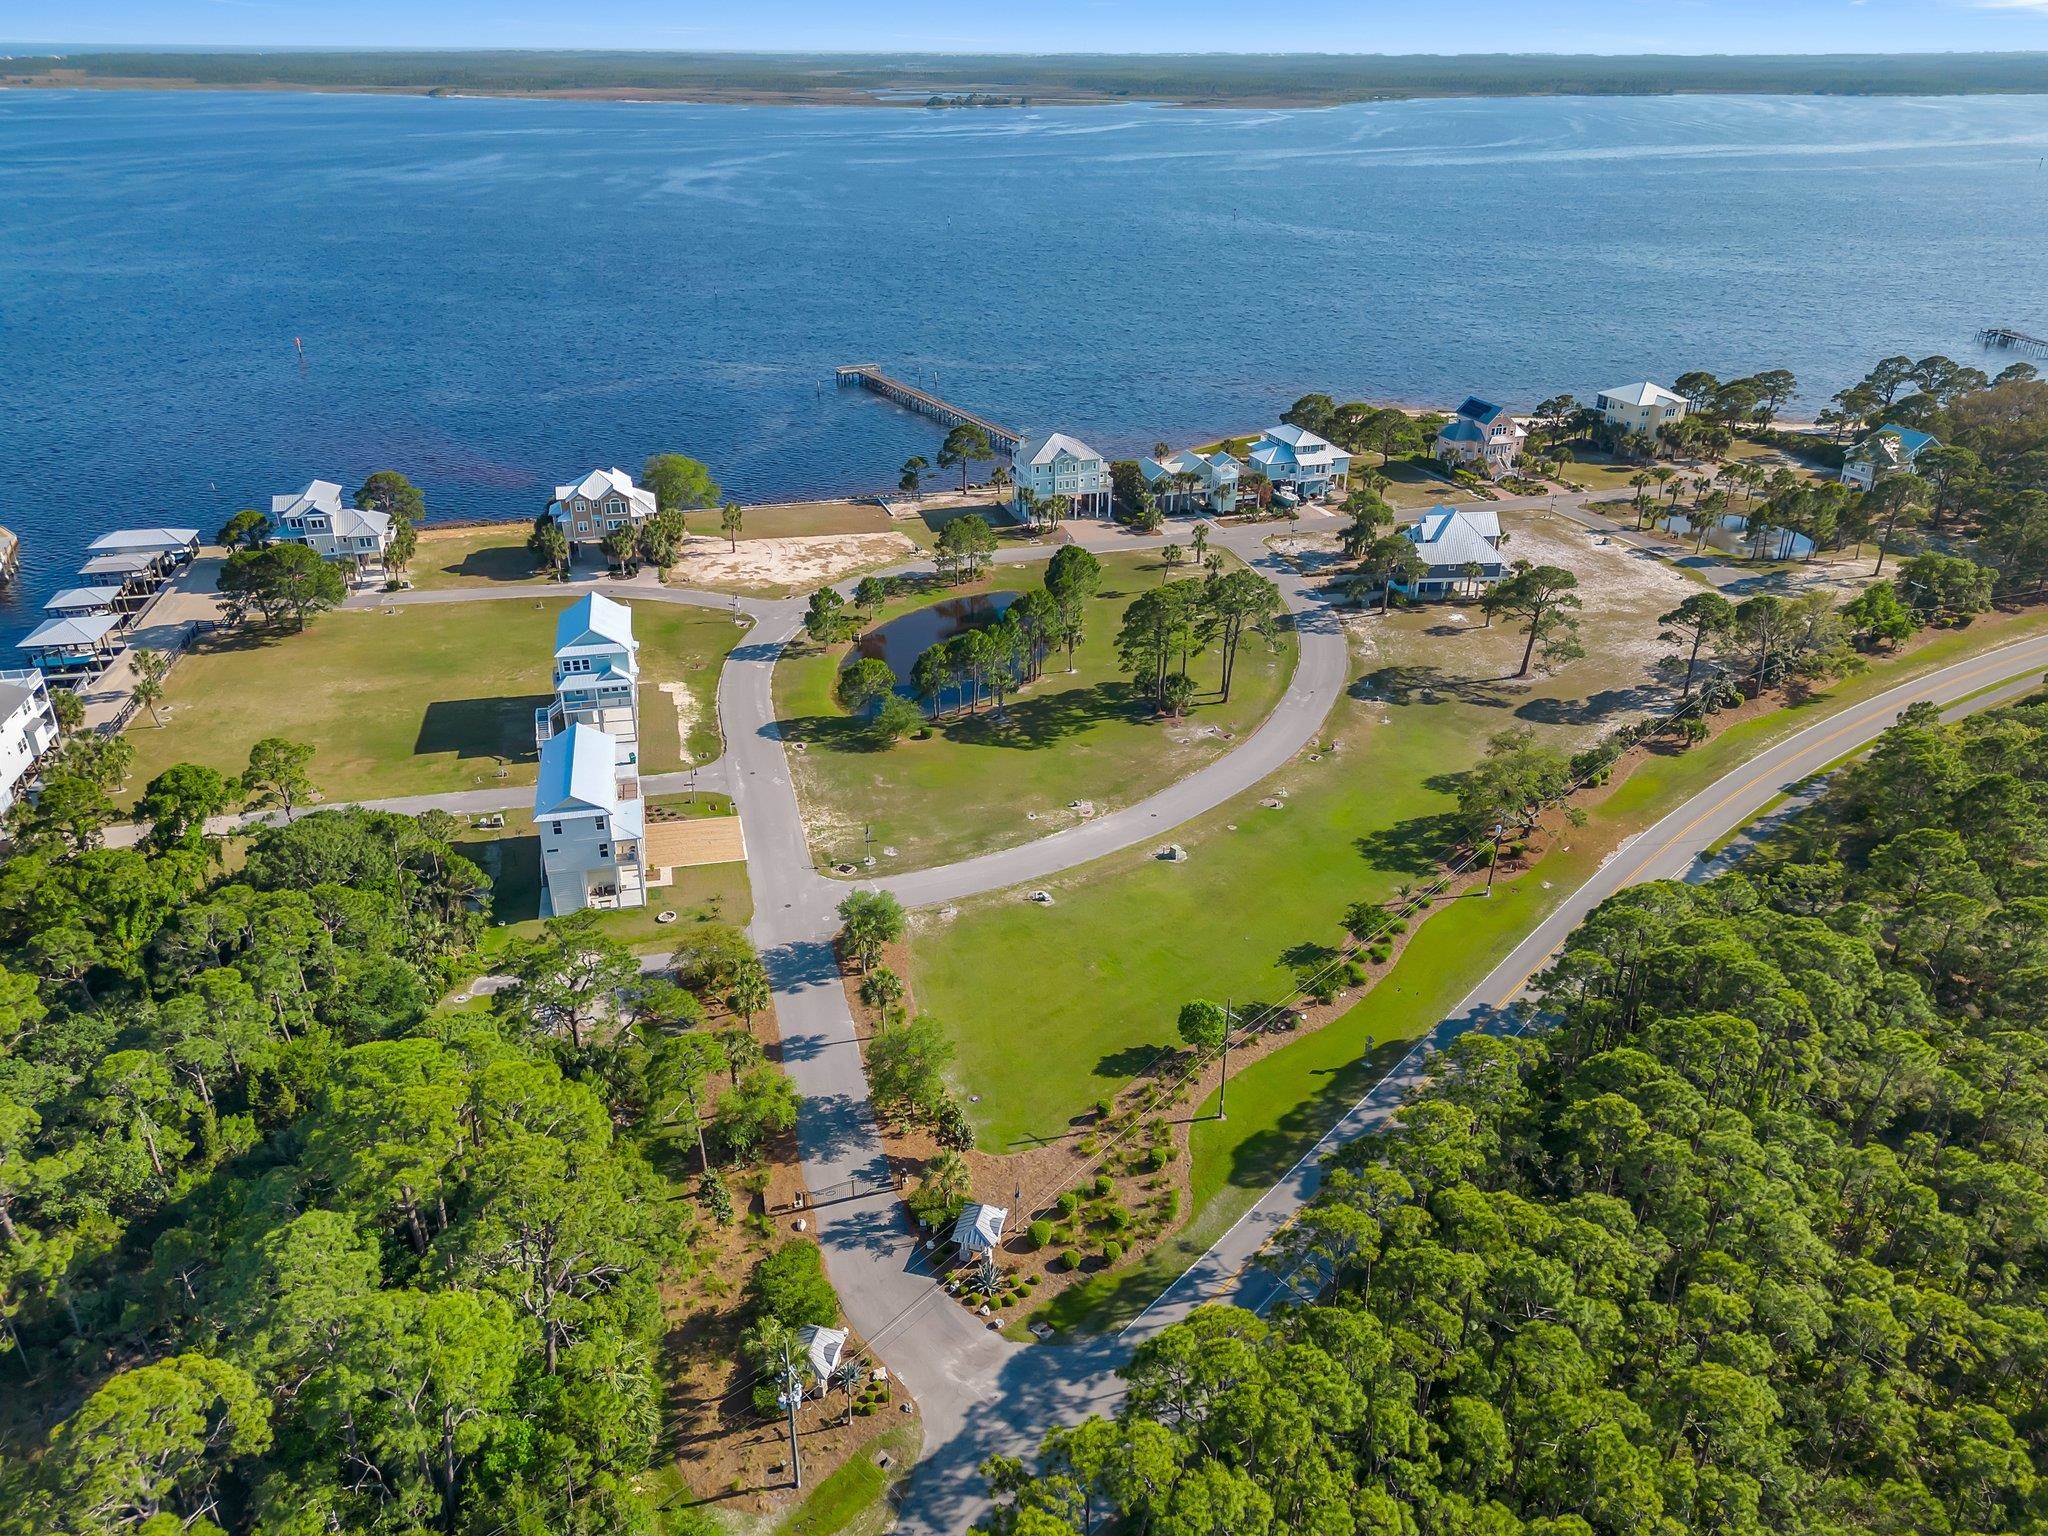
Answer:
(578, 773)
(593, 619)
(144, 541)
(82, 598)
(1447, 538)
(1644, 393)
(600, 483)
(979, 1228)
(1043, 450)
(823, 1348)
(79, 630)
(318, 496)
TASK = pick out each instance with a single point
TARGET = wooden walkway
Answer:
(871, 377)
(2006, 337)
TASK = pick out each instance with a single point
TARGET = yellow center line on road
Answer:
(1802, 755)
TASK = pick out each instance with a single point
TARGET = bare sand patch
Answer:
(680, 696)
(795, 564)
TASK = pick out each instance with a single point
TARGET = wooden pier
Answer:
(870, 376)
(2008, 339)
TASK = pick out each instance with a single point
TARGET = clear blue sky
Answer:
(1047, 26)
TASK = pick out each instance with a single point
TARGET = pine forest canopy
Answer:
(1753, 1237)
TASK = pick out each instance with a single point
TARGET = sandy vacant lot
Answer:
(786, 565)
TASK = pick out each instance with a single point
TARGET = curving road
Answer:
(980, 1394)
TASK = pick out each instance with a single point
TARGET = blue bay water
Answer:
(496, 295)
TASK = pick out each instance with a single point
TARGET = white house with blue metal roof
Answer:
(1482, 436)
(587, 805)
(318, 518)
(1461, 549)
(1295, 459)
(1890, 450)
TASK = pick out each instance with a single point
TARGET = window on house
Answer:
(604, 850)
(555, 827)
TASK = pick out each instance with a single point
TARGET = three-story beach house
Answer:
(318, 518)
(1481, 435)
(1057, 464)
(1193, 482)
(1890, 450)
(602, 500)
(587, 805)
(1641, 407)
(1297, 460)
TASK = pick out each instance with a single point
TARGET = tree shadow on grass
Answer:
(497, 562)
(1120, 1066)
(474, 730)
(1411, 847)
(1593, 708)
(1420, 684)
(1034, 721)
(1261, 1159)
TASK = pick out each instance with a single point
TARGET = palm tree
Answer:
(1201, 542)
(1173, 554)
(150, 670)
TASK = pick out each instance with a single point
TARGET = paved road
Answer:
(979, 1393)
(1035, 1390)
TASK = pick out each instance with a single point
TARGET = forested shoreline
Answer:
(1749, 1238)
(1210, 79)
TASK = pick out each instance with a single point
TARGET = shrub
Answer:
(790, 1286)
(1112, 1251)
(717, 1199)
(1379, 952)
(1104, 1107)
(1103, 1185)
(950, 1124)
(1070, 1260)
(1070, 1202)
(1041, 1233)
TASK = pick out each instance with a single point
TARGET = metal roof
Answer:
(79, 630)
(161, 541)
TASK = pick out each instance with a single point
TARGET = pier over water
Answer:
(871, 377)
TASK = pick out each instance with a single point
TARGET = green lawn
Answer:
(421, 699)
(851, 1499)
(1282, 1104)
(1136, 937)
(974, 785)
(482, 557)
(1411, 485)
(510, 856)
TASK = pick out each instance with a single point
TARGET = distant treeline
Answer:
(1221, 78)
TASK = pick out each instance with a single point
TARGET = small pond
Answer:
(902, 640)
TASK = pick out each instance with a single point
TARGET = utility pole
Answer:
(1493, 863)
(792, 1395)
(1229, 1018)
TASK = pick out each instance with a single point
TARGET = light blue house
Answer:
(597, 675)
(587, 805)
(1297, 460)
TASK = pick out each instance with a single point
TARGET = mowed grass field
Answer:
(1135, 937)
(496, 556)
(975, 785)
(424, 698)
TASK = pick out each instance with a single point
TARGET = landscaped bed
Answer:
(422, 698)
(984, 781)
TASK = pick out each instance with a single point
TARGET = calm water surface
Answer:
(903, 639)
(496, 295)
